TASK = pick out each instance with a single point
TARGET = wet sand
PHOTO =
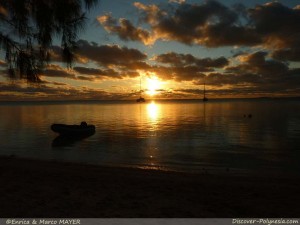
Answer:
(32, 188)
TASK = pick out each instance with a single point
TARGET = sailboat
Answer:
(204, 97)
(140, 99)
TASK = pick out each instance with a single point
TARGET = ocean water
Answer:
(212, 137)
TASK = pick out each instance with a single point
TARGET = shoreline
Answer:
(162, 100)
(36, 188)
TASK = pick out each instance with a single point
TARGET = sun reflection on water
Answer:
(153, 111)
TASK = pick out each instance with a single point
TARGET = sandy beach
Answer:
(32, 188)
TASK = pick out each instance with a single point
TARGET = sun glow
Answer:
(153, 111)
(153, 85)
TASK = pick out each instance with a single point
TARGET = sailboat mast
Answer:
(140, 86)
(204, 97)
(141, 99)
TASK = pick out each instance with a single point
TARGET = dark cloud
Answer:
(125, 29)
(174, 59)
(221, 79)
(179, 73)
(258, 64)
(107, 55)
(187, 23)
(277, 24)
(137, 65)
(185, 67)
(116, 62)
(89, 71)
(34, 90)
(219, 35)
(271, 90)
(58, 71)
(257, 73)
(287, 54)
(97, 72)
(19, 91)
(107, 73)
(58, 83)
(213, 24)
(119, 63)
(51, 82)
(210, 24)
(53, 70)
(86, 78)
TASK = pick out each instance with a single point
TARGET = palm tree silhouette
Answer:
(27, 30)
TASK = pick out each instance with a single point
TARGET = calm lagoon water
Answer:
(172, 135)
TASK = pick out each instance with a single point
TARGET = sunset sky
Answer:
(238, 48)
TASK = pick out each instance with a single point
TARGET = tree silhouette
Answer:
(28, 28)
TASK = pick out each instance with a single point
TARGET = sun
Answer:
(153, 85)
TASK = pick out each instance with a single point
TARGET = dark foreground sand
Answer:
(32, 188)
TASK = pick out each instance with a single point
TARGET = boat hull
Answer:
(73, 130)
(140, 100)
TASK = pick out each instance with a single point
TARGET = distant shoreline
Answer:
(148, 100)
(35, 188)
